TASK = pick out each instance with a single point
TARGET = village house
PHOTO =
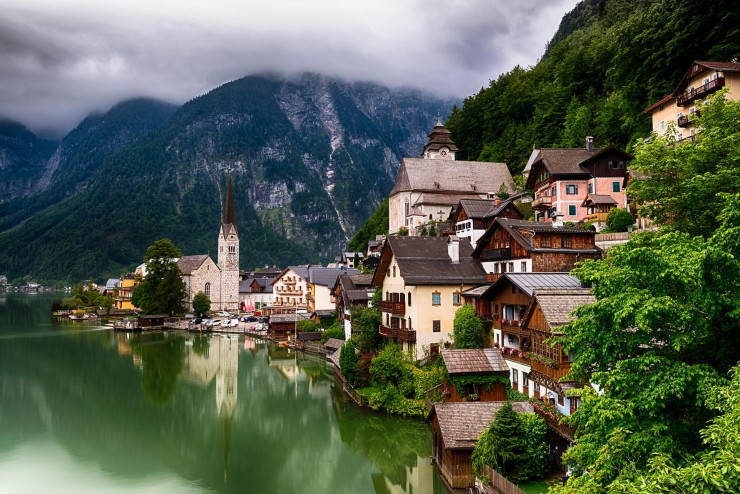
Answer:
(519, 246)
(321, 280)
(255, 293)
(467, 363)
(472, 217)
(694, 91)
(350, 291)
(122, 295)
(289, 290)
(428, 188)
(422, 280)
(456, 428)
(563, 178)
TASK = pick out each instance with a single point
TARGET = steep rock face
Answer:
(23, 158)
(311, 157)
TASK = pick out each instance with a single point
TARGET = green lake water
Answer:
(87, 410)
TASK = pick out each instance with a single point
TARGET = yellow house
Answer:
(694, 91)
(122, 299)
(422, 279)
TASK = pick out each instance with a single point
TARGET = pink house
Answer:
(582, 184)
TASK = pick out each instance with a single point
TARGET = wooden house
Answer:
(472, 217)
(455, 431)
(151, 321)
(474, 363)
(350, 291)
(520, 246)
(283, 326)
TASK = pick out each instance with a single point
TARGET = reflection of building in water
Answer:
(123, 346)
(283, 360)
(419, 478)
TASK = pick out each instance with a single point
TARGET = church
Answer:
(219, 281)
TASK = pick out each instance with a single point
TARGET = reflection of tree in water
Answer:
(391, 443)
(201, 345)
(162, 359)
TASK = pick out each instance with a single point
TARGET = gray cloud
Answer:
(60, 61)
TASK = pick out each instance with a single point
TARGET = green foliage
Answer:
(426, 379)
(349, 363)
(391, 366)
(335, 331)
(201, 304)
(86, 296)
(513, 445)
(403, 231)
(618, 220)
(365, 320)
(467, 328)
(162, 290)
(392, 401)
(377, 224)
(678, 185)
(306, 326)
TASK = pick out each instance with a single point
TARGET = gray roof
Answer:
(474, 361)
(443, 199)
(301, 271)
(461, 424)
(477, 291)
(281, 318)
(334, 357)
(426, 261)
(188, 264)
(335, 343)
(451, 176)
(477, 208)
(361, 280)
(514, 228)
(328, 276)
(528, 282)
(558, 304)
(245, 286)
(112, 283)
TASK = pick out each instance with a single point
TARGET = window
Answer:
(407, 207)
(620, 164)
(409, 300)
(572, 189)
(590, 188)
(615, 187)
(514, 377)
(495, 268)
(510, 312)
(456, 298)
(208, 289)
(536, 388)
(572, 210)
(436, 298)
(524, 267)
(566, 243)
(552, 192)
(511, 267)
(436, 326)
(662, 125)
(394, 271)
(232, 249)
(545, 241)
(561, 400)
(679, 115)
(525, 379)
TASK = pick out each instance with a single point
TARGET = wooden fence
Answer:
(498, 485)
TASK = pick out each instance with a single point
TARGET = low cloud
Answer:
(60, 61)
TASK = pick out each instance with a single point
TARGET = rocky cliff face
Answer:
(311, 158)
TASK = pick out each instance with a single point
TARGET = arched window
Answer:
(208, 290)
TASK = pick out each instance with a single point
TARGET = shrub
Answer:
(306, 326)
(467, 328)
(332, 332)
(618, 220)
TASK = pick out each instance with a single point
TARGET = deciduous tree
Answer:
(467, 328)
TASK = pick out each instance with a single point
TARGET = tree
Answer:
(467, 330)
(349, 364)
(162, 290)
(366, 321)
(618, 220)
(390, 366)
(433, 228)
(201, 304)
(677, 185)
(501, 445)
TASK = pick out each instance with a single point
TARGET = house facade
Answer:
(563, 178)
(519, 246)
(483, 362)
(351, 291)
(289, 289)
(255, 293)
(428, 188)
(122, 296)
(321, 281)
(472, 217)
(422, 280)
(694, 91)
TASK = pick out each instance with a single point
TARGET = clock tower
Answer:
(440, 145)
(228, 255)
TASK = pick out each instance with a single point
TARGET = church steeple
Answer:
(228, 254)
(440, 145)
(228, 218)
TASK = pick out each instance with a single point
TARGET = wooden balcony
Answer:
(496, 254)
(685, 120)
(542, 202)
(400, 333)
(554, 421)
(517, 357)
(516, 330)
(555, 373)
(393, 307)
(703, 90)
(599, 217)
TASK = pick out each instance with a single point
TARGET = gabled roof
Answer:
(477, 208)
(599, 199)
(112, 284)
(474, 361)
(451, 176)
(301, 271)
(692, 72)
(439, 137)
(335, 343)
(567, 161)
(245, 286)
(522, 231)
(328, 276)
(557, 304)
(529, 282)
(426, 261)
(188, 264)
(462, 423)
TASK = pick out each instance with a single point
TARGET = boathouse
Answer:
(483, 371)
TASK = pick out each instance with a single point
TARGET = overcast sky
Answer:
(63, 59)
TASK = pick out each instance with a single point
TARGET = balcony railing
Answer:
(600, 217)
(542, 202)
(555, 373)
(400, 333)
(685, 120)
(704, 89)
(554, 420)
(496, 254)
(392, 307)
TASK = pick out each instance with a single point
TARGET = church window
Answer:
(232, 249)
(208, 289)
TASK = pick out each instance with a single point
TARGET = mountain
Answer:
(608, 61)
(23, 158)
(311, 157)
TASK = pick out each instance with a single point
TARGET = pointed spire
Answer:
(229, 205)
(439, 120)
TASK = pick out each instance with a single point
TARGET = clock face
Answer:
(443, 152)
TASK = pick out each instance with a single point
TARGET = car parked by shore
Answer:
(230, 323)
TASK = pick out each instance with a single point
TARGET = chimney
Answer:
(453, 248)
(557, 220)
(589, 144)
(497, 201)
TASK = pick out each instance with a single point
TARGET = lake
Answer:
(87, 410)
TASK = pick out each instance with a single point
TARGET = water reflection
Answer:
(181, 413)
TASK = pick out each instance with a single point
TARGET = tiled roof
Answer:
(359, 295)
(278, 318)
(477, 291)
(334, 357)
(595, 199)
(328, 276)
(567, 161)
(474, 361)
(451, 176)
(334, 343)
(426, 261)
(723, 66)
(361, 279)
(477, 208)
(462, 423)
(557, 304)
(188, 264)
(444, 199)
